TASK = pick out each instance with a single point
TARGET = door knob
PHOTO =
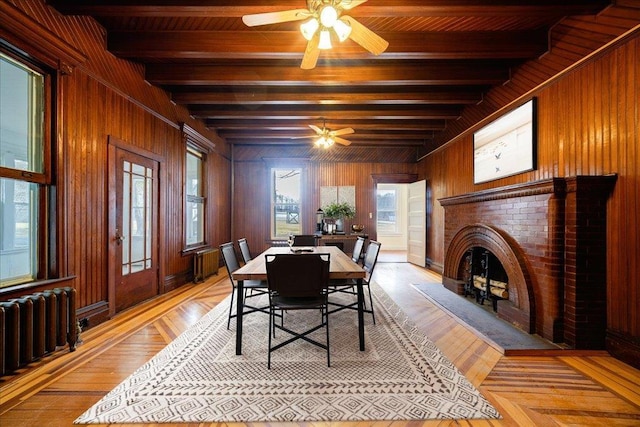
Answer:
(119, 238)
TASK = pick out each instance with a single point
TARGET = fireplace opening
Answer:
(485, 279)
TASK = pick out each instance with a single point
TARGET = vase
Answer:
(339, 225)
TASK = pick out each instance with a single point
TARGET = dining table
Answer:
(341, 267)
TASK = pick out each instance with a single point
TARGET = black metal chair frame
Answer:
(348, 286)
(298, 282)
(230, 258)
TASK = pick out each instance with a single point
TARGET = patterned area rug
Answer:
(198, 378)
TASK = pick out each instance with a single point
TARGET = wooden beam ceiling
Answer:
(246, 84)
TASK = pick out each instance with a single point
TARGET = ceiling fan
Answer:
(327, 137)
(324, 19)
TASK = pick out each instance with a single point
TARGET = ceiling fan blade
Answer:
(365, 37)
(275, 17)
(303, 137)
(350, 4)
(316, 129)
(339, 132)
(311, 53)
(341, 141)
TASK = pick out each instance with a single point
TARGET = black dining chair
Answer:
(304, 240)
(348, 286)
(298, 282)
(244, 250)
(231, 262)
(345, 285)
(357, 250)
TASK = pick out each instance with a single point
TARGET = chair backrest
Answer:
(357, 249)
(297, 275)
(371, 257)
(304, 240)
(230, 258)
(244, 250)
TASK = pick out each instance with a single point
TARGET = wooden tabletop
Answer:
(340, 267)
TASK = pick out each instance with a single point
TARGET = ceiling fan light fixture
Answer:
(325, 39)
(309, 28)
(328, 16)
(342, 29)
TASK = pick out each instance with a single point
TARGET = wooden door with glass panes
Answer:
(135, 237)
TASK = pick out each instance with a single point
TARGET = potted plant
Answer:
(339, 211)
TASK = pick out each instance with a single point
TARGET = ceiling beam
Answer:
(291, 44)
(442, 113)
(367, 143)
(310, 134)
(379, 8)
(335, 123)
(336, 96)
(433, 72)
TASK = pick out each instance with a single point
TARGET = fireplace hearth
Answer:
(549, 238)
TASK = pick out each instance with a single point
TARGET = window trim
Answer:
(271, 202)
(197, 151)
(47, 216)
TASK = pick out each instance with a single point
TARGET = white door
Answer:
(416, 223)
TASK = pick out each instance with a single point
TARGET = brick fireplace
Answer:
(550, 238)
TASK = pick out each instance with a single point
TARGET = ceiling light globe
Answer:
(342, 29)
(325, 40)
(328, 16)
(309, 28)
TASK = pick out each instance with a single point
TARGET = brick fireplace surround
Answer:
(550, 237)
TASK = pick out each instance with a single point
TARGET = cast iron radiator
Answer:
(34, 325)
(205, 263)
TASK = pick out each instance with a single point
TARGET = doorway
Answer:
(400, 221)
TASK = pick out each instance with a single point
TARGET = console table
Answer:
(348, 240)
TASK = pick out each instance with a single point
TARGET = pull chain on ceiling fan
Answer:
(322, 18)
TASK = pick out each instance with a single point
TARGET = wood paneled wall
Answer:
(103, 98)
(251, 192)
(588, 124)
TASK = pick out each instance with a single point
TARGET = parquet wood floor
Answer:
(552, 389)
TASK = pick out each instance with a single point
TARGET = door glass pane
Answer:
(126, 215)
(147, 219)
(138, 227)
(137, 218)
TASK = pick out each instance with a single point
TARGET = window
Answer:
(195, 199)
(387, 208)
(24, 178)
(286, 191)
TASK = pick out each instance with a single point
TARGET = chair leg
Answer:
(371, 303)
(271, 328)
(233, 291)
(326, 325)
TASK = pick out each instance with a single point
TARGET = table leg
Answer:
(239, 311)
(360, 313)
